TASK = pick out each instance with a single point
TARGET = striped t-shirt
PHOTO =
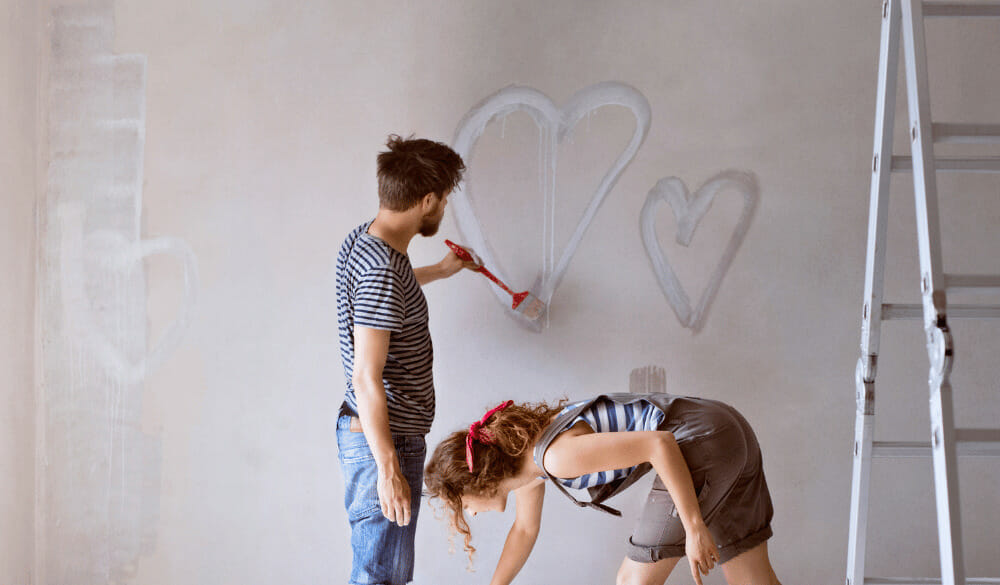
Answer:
(605, 416)
(376, 288)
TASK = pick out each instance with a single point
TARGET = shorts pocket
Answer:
(702, 495)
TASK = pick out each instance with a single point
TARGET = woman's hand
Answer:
(700, 550)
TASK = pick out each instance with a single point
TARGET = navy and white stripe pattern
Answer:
(376, 288)
(605, 416)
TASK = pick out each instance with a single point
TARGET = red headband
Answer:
(477, 434)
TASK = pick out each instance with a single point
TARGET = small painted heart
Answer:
(688, 212)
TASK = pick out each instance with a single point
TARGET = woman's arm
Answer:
(574, 455)
(523, 533)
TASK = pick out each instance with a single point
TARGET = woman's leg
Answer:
(636, 573)
(752, 567)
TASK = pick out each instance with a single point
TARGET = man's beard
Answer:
(429, 226)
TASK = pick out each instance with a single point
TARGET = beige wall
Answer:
(263, 119)
(17, 264)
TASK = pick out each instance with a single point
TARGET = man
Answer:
(386, 349)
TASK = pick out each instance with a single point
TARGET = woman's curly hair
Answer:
(514, 431)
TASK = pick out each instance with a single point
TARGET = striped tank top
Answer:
(605, 416)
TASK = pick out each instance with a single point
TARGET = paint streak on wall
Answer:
(647, 380)
(100, 483)
(688, 211)
(555, 124)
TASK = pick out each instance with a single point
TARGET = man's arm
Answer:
(443, 269)
(371, 346)
(523, 533)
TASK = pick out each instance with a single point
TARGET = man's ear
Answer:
(429, 202)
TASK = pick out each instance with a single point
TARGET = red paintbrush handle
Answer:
(464, 254)
(459, 251)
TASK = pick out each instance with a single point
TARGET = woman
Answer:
(709, 501)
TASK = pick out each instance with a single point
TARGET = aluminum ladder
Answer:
(946, 442)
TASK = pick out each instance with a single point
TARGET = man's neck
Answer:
(394, 228)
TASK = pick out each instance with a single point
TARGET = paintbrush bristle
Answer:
(531, 307)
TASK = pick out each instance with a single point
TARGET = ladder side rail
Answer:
(878, 209)
(939, 345)
(878, 221)
(924, 170)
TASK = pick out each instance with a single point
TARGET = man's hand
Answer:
(445, 268)
(452, 263)
(394, 494)
(700, 550)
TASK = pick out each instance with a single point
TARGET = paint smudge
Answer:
(647, 380)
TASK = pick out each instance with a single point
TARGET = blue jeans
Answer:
(383, 550)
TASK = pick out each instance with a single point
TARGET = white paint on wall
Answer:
(101, 480)
(689, 209)
(555, 124)
(647, 380)
(107, 256)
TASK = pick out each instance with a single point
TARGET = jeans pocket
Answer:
(356, 454)
(365, 502)
(413, 448)
(353, 447)
(360, 483)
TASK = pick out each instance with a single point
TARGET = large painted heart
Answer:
(688, 212)
(117, 258)
(554, 124)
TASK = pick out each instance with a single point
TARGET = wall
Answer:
(17, 264)
(262, 120)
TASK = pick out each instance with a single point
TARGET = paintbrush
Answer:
(524, 303)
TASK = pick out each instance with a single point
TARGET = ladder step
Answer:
(922, 581)
(969, 443)
(903, 312)
(961, 9)
(972, 165)
(966, 133)
(972, 282)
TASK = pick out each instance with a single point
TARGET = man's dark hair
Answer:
(414, 167)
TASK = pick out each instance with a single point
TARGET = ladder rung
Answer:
(969, 443)
(923, 581)
(966, 282)
(973, 165)
(961, 9)
(966, 133)
(901, 312)
(978, 441)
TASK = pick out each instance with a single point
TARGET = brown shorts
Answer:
(728, 477)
